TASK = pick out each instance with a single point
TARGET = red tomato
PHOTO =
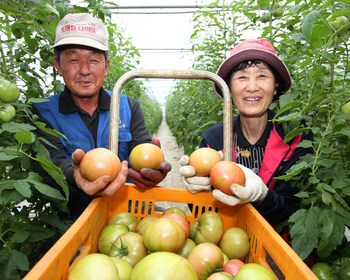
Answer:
(226, 173)
(164, 235)
(203, 160)
(129, 247)
(220, 276)
(235, 243)
(99, 162)
(124, 218)
(186, 249)
(94, 266)
(175, 210)
(146, 156)
(254, 271)
(163, 265)
(232, 266)
(108, 235)
(124, 268)
(143, 224)
(205, 258)
(180, 220)
(209, 228)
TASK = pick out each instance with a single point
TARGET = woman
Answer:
(256, 77)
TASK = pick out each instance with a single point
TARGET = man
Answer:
(81, 113)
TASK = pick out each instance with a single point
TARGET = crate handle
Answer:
(170, 74)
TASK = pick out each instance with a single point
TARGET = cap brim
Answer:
(254, 54)
(83, 41)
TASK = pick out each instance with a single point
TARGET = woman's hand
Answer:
(254, 190)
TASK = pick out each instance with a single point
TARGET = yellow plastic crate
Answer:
(86, 230)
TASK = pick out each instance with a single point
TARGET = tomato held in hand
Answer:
(146, 156)
(99, 162)
(203, 160)
(226, 173)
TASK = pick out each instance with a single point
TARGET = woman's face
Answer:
(252, 90)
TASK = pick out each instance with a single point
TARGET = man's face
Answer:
(83, 70)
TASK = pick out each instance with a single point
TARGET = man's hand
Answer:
(148, 177)
(193, 183)
(102, 186)
(254, 190)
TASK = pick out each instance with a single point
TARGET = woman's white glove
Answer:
(254, 190)
(193, 183)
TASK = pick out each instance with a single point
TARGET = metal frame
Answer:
(170, 74)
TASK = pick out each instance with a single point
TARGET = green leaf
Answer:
(304, 231)
(305, 144)
(23, 188)
(17, 127)
(4, 156)
(331, 233)
(10, 263)
(53, 220)
(294, 170)
(24, 137)
(20, 236)
(287, 107)
(53, 132)
(308, 23)
(7, 8)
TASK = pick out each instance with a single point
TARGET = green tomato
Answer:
(277, 12)
(346, 108)
(265, 18)
(254, 271)
(7, 112)
(9, 92)
(124, 268)
(340, 24)
(342, 267)
(322, 271)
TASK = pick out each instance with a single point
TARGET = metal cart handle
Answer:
(170, 74)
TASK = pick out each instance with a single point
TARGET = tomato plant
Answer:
(7, 112)
(129, 247)
(180, 220)
(341, 268)
(163, 265)
(94, 266)
(209, 228)
(235, 243)
(124, 218)
(108, 235)
(9, 92)
(99, 162)
(175, 210)
(205, 258)
(164, 235)
(146, 156)
(143, 224)
(203, 160)
(232, 266)
(226, 173)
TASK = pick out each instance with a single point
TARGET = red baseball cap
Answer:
(254, 49)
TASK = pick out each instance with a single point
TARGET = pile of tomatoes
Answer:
(168, 247)
(9, 93)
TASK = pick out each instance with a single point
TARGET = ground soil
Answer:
(172, 154)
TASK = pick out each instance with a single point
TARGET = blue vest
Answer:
(72, 126)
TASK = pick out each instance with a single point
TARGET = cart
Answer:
(83, 235)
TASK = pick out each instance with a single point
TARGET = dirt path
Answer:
(172, 154)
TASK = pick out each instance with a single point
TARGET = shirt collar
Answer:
(243, 142)
(67, 105)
